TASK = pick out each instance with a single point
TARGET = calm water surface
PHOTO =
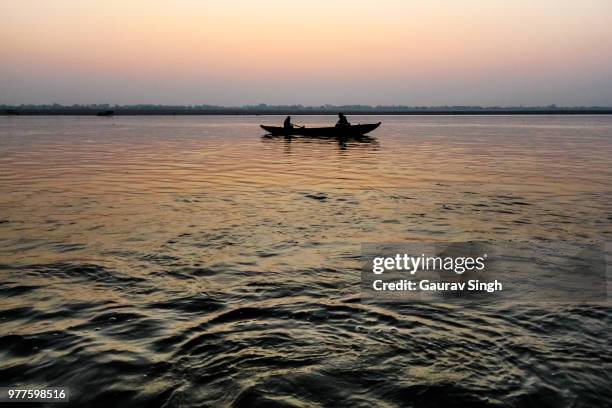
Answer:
(189, 260)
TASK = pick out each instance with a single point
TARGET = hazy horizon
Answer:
(298, 106)
(475, 52)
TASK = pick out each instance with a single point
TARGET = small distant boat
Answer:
(106, 113)
(336, 131)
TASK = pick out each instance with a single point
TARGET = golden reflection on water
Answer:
(162, 253)
(78, 187)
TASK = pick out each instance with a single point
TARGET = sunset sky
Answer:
(231, 52)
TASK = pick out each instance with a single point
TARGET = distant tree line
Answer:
(262, 109)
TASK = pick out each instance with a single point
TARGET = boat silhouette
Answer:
(335, 131)
(106, 113)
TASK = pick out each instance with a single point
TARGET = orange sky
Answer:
(311, 52)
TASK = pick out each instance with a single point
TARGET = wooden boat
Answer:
(336, 131)
(106, 113)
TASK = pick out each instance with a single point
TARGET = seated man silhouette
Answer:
(287, 123)
(342, 121)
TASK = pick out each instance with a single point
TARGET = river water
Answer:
(190, 261)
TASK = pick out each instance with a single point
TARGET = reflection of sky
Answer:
(81, 186)
(235, 52)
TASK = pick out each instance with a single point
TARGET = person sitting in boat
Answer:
(342, 120)
(287, 123)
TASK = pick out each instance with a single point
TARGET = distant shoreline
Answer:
(257, 112)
